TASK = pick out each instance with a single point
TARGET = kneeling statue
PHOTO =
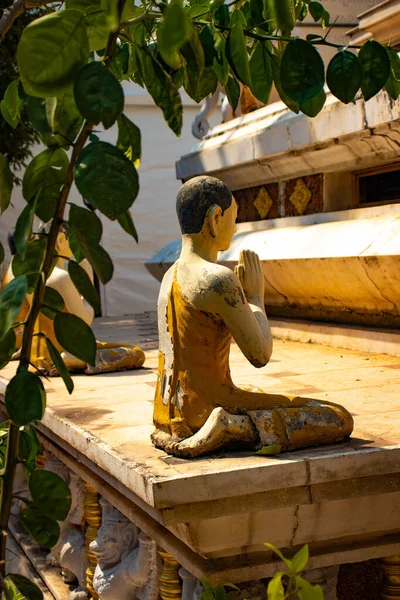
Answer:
(201, 306)
(110, 357)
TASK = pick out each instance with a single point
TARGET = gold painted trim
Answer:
(92, 513)
(170, 582)
(391, 582)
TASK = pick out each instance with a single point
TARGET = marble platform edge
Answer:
(216, 482)
(235, 505)
(375, 341)
(237, 569)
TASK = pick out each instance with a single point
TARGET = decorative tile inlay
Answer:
(263, 202)
(300, 197)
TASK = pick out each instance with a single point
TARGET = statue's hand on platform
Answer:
(250, 275)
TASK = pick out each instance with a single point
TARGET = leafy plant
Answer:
(65, 82)
(217, 593)
(289, 584)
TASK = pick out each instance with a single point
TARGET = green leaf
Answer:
(208, 594)
(52, 300)
(172, 33)
(43, 179)
(164, 93)
(57, 120)
(97, 27)
(50, 52)
(310, 37)
(308, 591)
(28, 589)
(25, 447)
(375, 65)
(100, 261)
(83, 284)
(316, 10)
(128, 225)
(33, 261)
(111, 9)
(275, 587)
(222, 16)
(35, 441)
(302, 71)
(121, 61)
(23, 228)
(199, 81)
(7, 348)
(220, 64)
(6, 184)
(38, 117)
(206, 38)
(344, 76)
(25, 398)
(261, 73)
(129, 139)
(270, 450)
(106, 178)
(236, 53)
(393, 83)
(301, 11)
(67, 120)
(287, 562)
(12, 121)
(233, 92)
(60, 365)
(50, 493)
(86, 222)
(44, 530)
(11, 300)
(300, 559)
(98, 95)
(75, 337)
(276, 71)
(315, 105)
(86, 230)
(11, 104)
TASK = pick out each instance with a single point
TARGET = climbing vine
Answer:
(71, 60)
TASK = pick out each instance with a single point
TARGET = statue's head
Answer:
(205, 206)
(62, 243)
(115, 537)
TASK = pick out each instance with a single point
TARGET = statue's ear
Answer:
(213, 217)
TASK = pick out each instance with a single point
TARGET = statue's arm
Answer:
(239, 301)
(74, 303)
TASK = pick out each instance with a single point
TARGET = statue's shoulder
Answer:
(216, 284)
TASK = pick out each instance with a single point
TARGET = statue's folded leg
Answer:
(315, 423)
(109, 358)
(116, 358)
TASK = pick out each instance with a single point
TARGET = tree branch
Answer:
(15, 10)
(148, 16)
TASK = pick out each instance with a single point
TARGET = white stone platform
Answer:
(214, 513)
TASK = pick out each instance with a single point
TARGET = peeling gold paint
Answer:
(202, 377)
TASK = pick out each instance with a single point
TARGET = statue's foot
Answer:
(118, 358)
(316, 423)
(220, 430)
